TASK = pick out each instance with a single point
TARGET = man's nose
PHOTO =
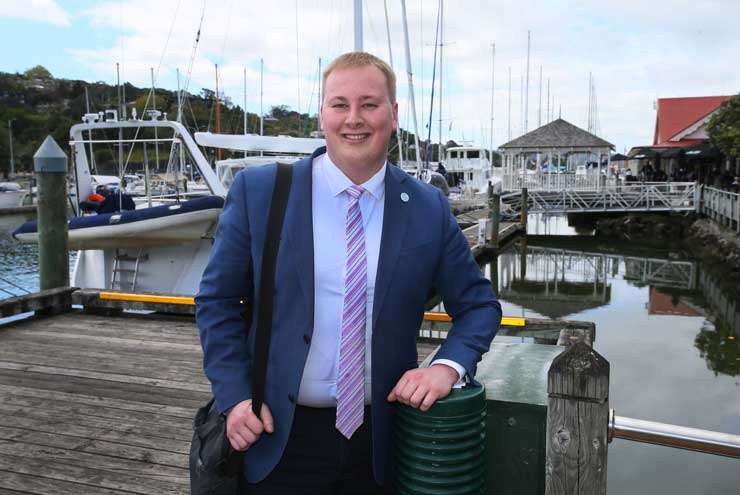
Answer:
(354, 117)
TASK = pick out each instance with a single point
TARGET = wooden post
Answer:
(577, 418)
(523, 220)
(494, 209)
(50, 165)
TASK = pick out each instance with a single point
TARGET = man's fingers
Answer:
(238, 442)
(267, 421)
(393, 396)
(418, 396)
(407, 392)
(428, 401)
(254, 424)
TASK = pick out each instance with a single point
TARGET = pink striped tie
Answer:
(351, 382)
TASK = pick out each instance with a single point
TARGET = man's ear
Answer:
(321, 118)
(395, 116)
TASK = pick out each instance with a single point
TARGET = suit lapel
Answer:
(298, 229)
(395, 216)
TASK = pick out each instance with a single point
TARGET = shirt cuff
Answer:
(461, 373)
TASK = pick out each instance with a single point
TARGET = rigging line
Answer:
(167, 41)
(186, 85)
(427, 148)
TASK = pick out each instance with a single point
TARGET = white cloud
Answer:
(636, 50)
(47, 11)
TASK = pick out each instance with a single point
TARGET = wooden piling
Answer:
(494, 209)
(50, 165)
(577, 419)
(525, 199)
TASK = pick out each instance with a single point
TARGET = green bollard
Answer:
(442, 451)
(50, 165)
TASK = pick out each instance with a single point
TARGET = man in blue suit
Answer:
(362, 246)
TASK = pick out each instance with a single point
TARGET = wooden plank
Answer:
(94, 446)
(106, 377)
(89, 477)
(114, 360)
(96, 461)
(49, 486)
(83, 411)
(113, 390)
(48, 414)
(65, 427)
(106, 403)
(162, 369)
(74, 339)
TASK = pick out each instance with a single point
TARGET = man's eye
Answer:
(370, 105)
(339, 105)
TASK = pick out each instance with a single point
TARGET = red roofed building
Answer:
(682, 121)
(681, 147)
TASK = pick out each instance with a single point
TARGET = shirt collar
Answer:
(338, 182)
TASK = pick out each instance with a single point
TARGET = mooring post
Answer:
(525, 199)
(494, 208)
(577, 420)
(50, 165)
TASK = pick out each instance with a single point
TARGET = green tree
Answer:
(38, 72)
(724, 127)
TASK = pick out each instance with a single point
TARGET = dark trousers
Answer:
(320, 460)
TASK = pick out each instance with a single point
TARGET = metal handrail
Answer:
(679, 437)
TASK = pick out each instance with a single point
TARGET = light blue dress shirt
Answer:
(329, 211)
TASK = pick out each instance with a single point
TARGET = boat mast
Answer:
(120, 129)
(154, 108)
(509, 117)
(539, 110)
(89, 137)
(358, 25)
(411, 84)
(390, 57)
(440, 150)
(493, 65)
(245, 106)
(526, 99)
(218, 116)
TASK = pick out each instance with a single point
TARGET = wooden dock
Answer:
(96, 404)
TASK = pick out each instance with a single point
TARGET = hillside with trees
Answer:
(35, 104)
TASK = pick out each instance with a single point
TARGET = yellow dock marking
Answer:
(124, 296)
(509, 321)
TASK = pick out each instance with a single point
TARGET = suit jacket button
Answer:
(291, 398)
(307, 338)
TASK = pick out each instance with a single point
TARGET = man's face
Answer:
(358, 118)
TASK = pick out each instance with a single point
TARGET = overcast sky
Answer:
(637, 51)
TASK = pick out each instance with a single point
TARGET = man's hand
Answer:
(421, 387)
(243, 427)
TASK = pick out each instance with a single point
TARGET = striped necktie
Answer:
(351, 381)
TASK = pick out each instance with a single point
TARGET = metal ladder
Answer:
(120, 260)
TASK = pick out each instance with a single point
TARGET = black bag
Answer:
(214, 466)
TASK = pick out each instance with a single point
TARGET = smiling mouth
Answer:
(356, 137)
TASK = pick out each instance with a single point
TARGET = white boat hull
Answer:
(184, 227)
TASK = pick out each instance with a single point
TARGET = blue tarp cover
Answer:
(197, 204)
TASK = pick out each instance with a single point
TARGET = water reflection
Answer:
(538, 279)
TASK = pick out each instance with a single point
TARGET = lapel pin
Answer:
(404, 197)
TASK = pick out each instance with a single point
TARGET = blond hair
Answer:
(351, 60)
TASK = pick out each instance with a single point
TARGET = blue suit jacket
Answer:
(421, 248)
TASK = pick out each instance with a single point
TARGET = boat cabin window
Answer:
(473, 154)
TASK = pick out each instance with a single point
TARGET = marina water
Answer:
(669, 330)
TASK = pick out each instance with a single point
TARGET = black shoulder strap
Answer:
(280, 194)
